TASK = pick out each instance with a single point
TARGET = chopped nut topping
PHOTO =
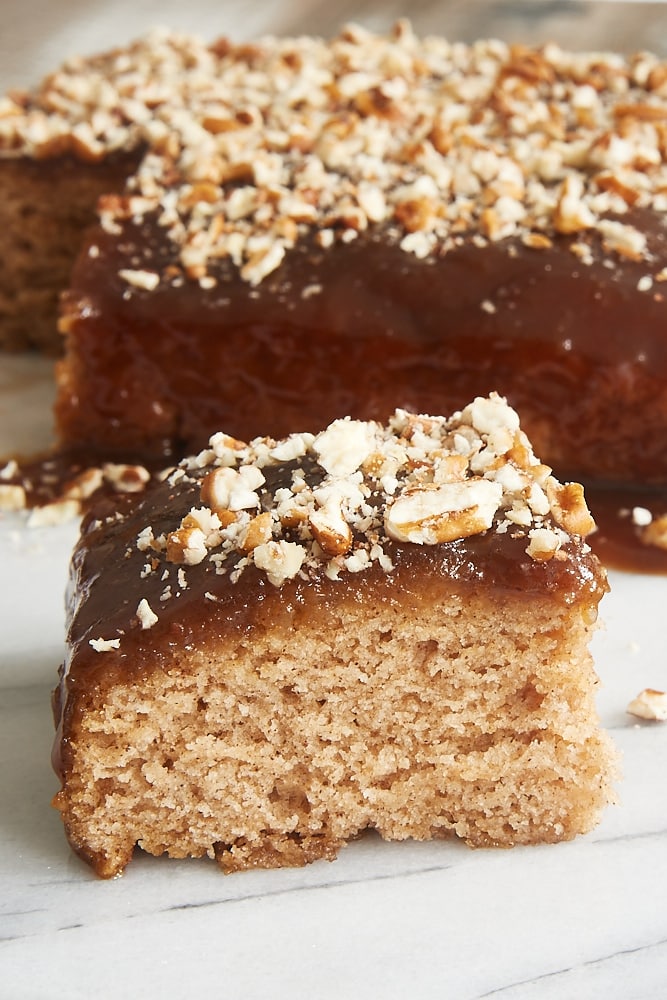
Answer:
(569, 507)
(357, 487)
(280, 560)
(544, 544)
(249, 148)
(257, 532)
(84, 485)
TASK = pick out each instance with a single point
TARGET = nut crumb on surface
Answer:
(649, 704)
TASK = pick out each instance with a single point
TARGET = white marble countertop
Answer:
(586, 919)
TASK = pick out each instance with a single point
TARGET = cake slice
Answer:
(288, 642)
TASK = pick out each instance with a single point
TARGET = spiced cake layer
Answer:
(289, 642)
(312, 229)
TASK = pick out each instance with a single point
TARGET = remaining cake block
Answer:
(45, 206)
(288, 642)
(311, 229)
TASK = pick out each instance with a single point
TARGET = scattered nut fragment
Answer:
(145, 614)
(432, 514)
(280, 560)
(187, 545)
(331, 529)
(543, 545)
(569, 507)
(649, 704)
(257, 532)
(148, 280)
(228, 489)
(572, 214)
(126, 478)
(12, 497)
(104, 645)
(344, 446)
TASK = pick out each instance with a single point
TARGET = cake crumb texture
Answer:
(474, 717)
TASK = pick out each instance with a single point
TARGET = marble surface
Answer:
(581, 920)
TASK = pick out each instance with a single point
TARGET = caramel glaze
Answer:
(363, 327)
(576, 348)
(106, 587)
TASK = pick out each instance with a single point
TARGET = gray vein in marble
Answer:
(591, 963)
(333, 884)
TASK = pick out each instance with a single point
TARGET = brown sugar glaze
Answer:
(362, 327)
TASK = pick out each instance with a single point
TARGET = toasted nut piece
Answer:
(226, 489)
(569, 508)
(450, 468)
(84, 485)
(431, 514)
(104, 645)
(187, 545)
(258, 532)
(649, 704)
(126, 478)
(280, 560)
(331, 529)
(572, 214)
(344, 446)
(544, 544)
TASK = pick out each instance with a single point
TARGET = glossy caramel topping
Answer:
(361, 328)
(466, 497)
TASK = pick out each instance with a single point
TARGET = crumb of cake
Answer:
(649, 704)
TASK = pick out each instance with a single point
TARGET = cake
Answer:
(288, 642)
(297, 230)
